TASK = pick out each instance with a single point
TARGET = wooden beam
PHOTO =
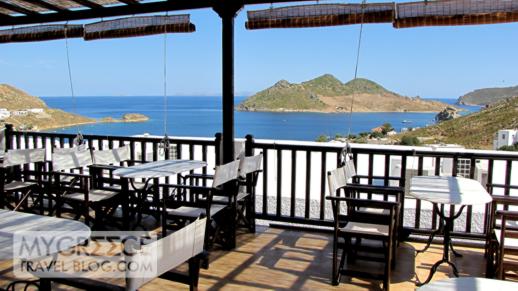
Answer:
(45, 5)
(129, 2)
(17, 8)
(122, 10)
(88, 4)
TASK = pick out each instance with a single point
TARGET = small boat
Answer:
(406, 121)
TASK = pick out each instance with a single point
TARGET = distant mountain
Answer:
(328, 94)
(475, 130)
(488, 95)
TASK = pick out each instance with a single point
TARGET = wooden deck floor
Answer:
(278, 259)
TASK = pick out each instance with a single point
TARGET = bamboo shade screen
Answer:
(316, 15)
(64, 4)
(455, 12)
(40, 33)
(138, 26)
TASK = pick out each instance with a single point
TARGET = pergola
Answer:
(419, 13)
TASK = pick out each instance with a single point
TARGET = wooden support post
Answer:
(228, 11)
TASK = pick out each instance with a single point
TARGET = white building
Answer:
(20, 112)
(35, 110)
(4, 113)
(505, 137)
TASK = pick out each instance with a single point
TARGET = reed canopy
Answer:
(401, 15)
(40, 33)
(138, 26)
(455, 12)
(320, 15)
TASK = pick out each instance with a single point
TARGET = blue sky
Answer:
(439, 62)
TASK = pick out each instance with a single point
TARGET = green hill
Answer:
(475, 130)
(328, 94)
(14, 99)
(488, 95)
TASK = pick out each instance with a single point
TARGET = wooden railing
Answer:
(293, 184)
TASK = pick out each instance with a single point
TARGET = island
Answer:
(27, 112)
(487, 96)
(328, 94)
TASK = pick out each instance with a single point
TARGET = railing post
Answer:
(217, 148)
(249, 144)
(8, 136)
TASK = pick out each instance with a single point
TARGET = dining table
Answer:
(469, 284)
(52, 234)
(148, 172)
(457, 192)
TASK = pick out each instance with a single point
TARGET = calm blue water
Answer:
(201, 116)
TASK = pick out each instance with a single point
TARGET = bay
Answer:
(198, 116)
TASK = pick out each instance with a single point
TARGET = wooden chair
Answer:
(186, 202)
(364, 222)
(21, 177)
(502, 244)
(184, 245)
(109, 160)
(78, 192)
(344, 179)
(249, 169)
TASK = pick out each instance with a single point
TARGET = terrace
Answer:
(291, 248)
(292, 241)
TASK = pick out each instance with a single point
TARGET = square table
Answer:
(148, 172)
(455, 191)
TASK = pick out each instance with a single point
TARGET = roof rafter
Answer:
(129, 2)
(98, 10)
(46, 5)
(88, 4)
(17, 8)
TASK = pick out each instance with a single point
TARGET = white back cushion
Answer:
(112, 156)
(168, 253)
(22, 157)
(336, 179)
(225, 173)
(248, 165)
(71, 158)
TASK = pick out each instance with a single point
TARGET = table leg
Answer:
(125, 203)
(448, 227)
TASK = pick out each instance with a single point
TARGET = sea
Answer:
(201, 116)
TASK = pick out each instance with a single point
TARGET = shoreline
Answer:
(330, 112)
(92, 122)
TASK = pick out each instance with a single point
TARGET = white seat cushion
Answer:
(509, 242)
(224, 199)
(187, 211)
(16, 185)
(366, 228)
(378, 211)
(95, 195)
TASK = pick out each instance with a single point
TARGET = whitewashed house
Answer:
(505, 137)
(20, 112)
(4, 113)
(35, 110)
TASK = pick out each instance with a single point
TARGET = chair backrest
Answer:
(22, 157)
(111, 156)
(225, 173)
(71, 158)
(249, 165)
(2, 140)
(349, 169)
(168, 253)
(239, 150)
(336, 179)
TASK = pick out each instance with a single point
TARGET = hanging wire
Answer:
(79, 139)
(346, 152)
(165, 140)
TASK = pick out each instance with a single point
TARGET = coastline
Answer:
(332, 112)
(95, 121)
